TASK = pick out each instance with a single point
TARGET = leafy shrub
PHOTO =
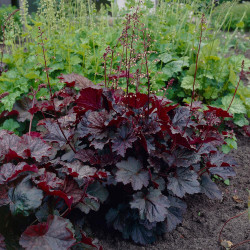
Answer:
(141, 150)
(237, 18)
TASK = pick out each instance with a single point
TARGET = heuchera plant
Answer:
(141, 150)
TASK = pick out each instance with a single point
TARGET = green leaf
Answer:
(231, 143)
(240, 120)
(32, 75)
(165, 57)
(240, 24)
(25, 197)
(225, 149)
(232, 76)
(187, 83)
(237, 106)
(9, 100)
(227, 182)
(10, 125)
(75, 60)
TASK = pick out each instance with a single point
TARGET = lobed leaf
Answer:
(54, 234)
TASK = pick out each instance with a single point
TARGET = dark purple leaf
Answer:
(10, 146)
(36, 148)
(54, 234)
(10, 171)
(152, 206)
(22, 107)
(123, 140)
(184, 182)
(209, 188)
(88, 155)
(206, 149)
(175, 212)
(182, 118)
(130, 171)
(96, 194)
(182, 158)
(54, 133)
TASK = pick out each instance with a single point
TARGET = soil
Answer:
(204, 218)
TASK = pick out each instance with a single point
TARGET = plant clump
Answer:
(136, 154)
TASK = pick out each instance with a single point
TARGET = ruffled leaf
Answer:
(54, 234)
(152, 206)
(175, 212)
(209, 188)
(10, 171)
(25, 197)
(130, 171)
(184, 182)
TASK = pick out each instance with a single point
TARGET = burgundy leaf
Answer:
(48, 178)
(43, 185)
(71, 188)
(218, 111)
(54, 234)
(9, 171)
(6, 114)
(90, 99)
(136, 101)
(2, 243)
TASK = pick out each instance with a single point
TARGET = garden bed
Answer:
(204, 218)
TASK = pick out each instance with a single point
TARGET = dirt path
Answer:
(204, 217)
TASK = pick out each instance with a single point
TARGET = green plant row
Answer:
(77, 36)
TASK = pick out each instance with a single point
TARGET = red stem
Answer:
(195, 73)
(50, 90)
(220, 240)
(241, 76)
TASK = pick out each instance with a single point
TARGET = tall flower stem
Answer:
(50, 90)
